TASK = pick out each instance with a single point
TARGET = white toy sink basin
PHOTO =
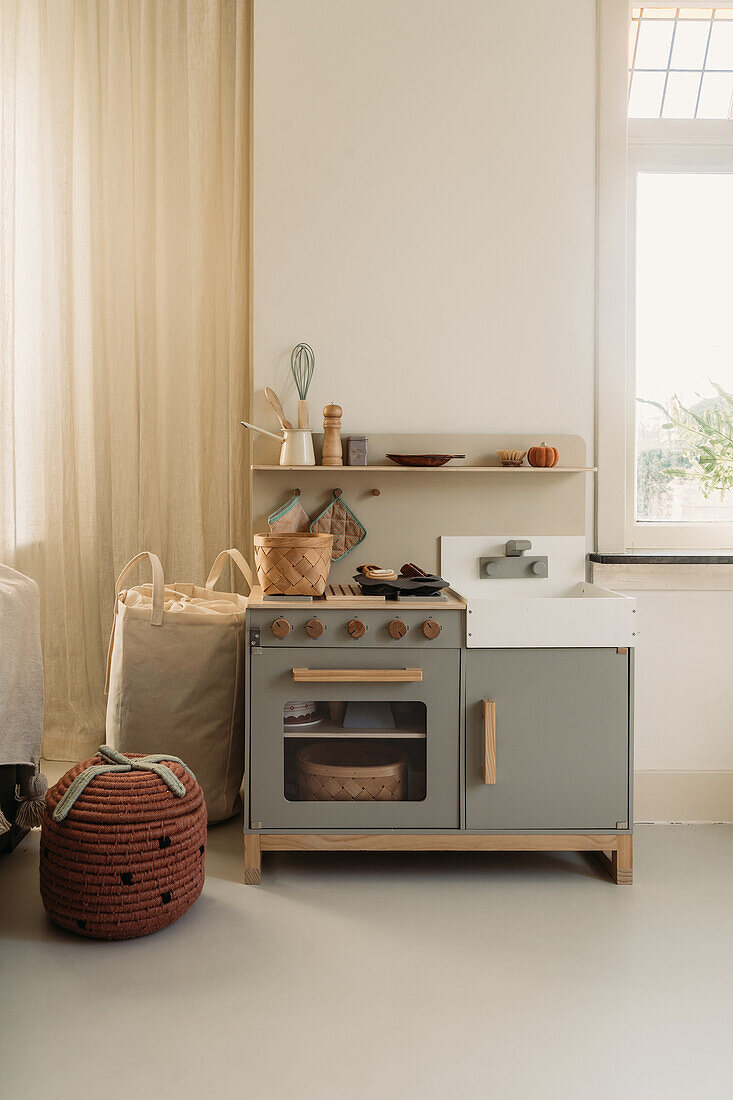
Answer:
(585, 616)
(558, 611)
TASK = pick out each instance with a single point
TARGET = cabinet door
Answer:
(561, 739)
(424, 718)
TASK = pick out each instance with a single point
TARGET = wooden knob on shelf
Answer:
(396, 628)
(431, 629)
(281, 628)
(356, 628)
(314, 628)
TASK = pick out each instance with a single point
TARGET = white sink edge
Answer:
(589, 617)
(582, 591)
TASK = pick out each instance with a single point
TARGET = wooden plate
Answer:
(422, 460)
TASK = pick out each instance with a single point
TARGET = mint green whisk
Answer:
(302, 363)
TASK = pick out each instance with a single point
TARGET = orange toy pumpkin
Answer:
(542, 455)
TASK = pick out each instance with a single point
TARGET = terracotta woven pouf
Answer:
(123, 843)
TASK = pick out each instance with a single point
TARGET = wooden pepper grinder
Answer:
(332, 454)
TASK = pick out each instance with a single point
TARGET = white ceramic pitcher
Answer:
(296, 444)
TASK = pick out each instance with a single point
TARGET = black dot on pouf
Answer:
(45, 853)
(126, 877)
(81, 924)
(201, 849)
(164, 842)
(166, 897)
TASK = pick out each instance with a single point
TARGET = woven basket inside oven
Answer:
(122, 845)
(353, 772)
(294, 564)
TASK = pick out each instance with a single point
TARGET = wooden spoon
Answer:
(277, 408)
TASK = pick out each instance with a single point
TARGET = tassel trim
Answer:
(30, 811)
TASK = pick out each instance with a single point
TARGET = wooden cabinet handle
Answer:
(357, 675)
(489, 768)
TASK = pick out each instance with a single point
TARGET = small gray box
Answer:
(356, 450)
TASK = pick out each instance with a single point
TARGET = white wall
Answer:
(684, 706)
(424, 192)
(684, 703)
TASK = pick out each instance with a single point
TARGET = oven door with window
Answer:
(354, 739)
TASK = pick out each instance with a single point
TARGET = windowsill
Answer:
(663, 572)
(662, 559)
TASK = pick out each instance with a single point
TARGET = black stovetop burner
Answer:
(402, 587)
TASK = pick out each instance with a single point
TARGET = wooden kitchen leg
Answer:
(623, 861)
(620, 862)
(252, 859)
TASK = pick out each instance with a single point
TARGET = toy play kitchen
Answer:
(493, 714)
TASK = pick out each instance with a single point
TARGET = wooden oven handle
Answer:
(489, 768)
(357, 675)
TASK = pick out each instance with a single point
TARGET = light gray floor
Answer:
(363, 975)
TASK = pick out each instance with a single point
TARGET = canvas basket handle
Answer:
(156, 615)
(239, 560)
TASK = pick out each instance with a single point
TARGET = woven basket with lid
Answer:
(353, 772)
(294, 564)
(128, 857)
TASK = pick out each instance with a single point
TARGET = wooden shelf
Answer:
(395, 469)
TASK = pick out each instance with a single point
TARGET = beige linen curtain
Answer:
(124, 290)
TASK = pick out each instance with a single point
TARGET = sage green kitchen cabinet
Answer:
(561, 739)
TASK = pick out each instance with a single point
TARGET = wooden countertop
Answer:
(453, 602)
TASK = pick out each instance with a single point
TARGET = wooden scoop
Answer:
(274, 401)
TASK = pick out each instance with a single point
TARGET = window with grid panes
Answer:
(680, 274)
(681, 63)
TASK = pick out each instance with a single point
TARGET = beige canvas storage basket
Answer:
(355, 772)
(295, 564)
(175, 676)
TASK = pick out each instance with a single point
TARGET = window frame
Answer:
(666, 146)
(619, 139)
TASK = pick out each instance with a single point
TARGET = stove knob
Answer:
(281, 628)
(356, 628)
(396, 628)
(431, 629)
(314, 628)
